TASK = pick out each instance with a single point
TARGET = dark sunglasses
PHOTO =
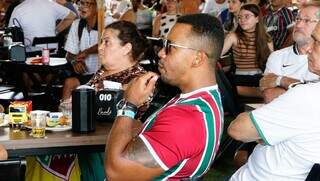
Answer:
(167, 44)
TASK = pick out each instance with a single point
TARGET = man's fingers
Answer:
(151, 83)
(145, 78)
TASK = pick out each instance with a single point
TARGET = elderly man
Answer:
(290, 64)
(38, 19)
(180, 140)
(288, 130)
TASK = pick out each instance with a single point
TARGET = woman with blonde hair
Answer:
(164, 22)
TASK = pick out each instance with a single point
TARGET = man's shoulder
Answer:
(282, 53)
(20, 7)
(206, 97)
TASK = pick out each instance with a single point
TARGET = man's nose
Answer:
(161, 53)
(101, 47)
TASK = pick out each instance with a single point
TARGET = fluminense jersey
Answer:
(184, 135)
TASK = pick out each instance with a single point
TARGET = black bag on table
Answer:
(106, 101)
(16, 31)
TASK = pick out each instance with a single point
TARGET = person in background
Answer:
(140, 15)
(38, 19)
(286, 66)
(229, 17)
(121, 48)
(115, 9)
(160, 150)
(190, 7)
(164, 22)
(214, 7)
(251, 46)
(82, 51)
(68, 4)
(290, 65)
(287, 130)
(279, 22)
(261, 3)
(118, 66)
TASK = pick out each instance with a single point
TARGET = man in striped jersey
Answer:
(279, 22)
(180, 140)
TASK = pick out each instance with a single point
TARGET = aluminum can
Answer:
(45, 56)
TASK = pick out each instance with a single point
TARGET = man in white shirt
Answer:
(82, 47)
(289, 65)
(38, 18)
(288, 130)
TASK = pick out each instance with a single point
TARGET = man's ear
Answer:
(127, 48)
(200, 57)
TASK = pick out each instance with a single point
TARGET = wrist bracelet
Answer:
(278, 81)
(123, 104)
(126, 112)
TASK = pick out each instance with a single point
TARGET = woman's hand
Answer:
(141, 88)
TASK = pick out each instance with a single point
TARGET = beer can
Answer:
(45, 56)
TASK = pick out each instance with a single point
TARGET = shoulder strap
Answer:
(82, 24)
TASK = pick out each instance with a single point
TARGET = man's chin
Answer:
(164, 79)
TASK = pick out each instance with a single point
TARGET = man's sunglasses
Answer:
(167, 44)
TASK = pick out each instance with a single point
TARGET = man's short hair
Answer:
(206, 33)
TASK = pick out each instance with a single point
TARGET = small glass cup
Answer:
(66, 108)
(38, 123)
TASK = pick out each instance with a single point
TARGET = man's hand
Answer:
(268, 81)
(79, 67)
(81, 56)
(139, 89)
(272, 93)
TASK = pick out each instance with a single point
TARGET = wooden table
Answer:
(19, 143)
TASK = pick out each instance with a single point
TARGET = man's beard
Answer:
(301, 40)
